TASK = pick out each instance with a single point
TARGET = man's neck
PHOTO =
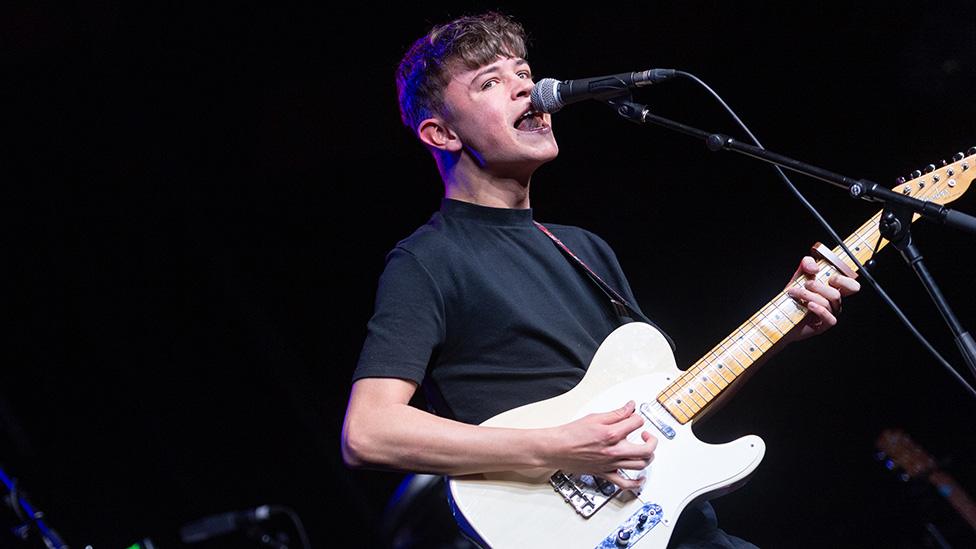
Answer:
(487, 190)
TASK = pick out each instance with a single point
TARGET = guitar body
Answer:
(523, 509)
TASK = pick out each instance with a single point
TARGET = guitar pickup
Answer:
(654, 413)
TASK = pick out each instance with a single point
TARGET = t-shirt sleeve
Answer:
(407, 325)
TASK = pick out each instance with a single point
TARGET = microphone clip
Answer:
(625, 106)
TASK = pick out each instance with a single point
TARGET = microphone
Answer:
(550, 95)
(223, 523)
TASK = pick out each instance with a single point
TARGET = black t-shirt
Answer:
(483, 310)
(487, 313)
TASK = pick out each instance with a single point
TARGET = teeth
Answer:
(528, 114)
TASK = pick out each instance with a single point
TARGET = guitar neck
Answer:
(707, 378)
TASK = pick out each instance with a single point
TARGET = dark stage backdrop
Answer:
(201, 198)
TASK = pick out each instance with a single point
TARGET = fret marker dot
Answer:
(679, 401)
(752, 349)
(720, 366)
(691, 390)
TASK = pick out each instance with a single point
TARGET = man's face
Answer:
(490, 110)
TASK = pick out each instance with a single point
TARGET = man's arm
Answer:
(382, 430)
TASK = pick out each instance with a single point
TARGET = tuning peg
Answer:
(958, 156)
(900, 181)
(943, 163)
(916, 174)
(930, 168)
(971, 151)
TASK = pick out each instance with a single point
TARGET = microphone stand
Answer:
(896, 218)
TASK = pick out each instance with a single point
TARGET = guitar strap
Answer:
(624, 310)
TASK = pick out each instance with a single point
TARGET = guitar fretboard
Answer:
(720, 367)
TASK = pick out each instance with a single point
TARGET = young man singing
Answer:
(482, 308)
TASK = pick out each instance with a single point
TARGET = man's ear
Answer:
(436, 133)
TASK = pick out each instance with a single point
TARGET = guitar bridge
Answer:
(585, 493)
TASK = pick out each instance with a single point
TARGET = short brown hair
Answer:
(470, 41)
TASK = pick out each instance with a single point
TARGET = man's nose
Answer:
(523, 88)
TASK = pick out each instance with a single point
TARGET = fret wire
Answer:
(768, 318)
(786, 318)
(770, 333)
(686, 405)
(756, 346)
(764, 335)
(675, 412)
(740, 344)
(781, 301)
(730, 351)
(708, 376)
(710, 395)
(696, 397)
(683, 406)
(725, 369)
(743, 358)
(711, 379)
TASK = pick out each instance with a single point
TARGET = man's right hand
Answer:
(597, 444)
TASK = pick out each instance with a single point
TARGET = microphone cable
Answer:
(823, 222)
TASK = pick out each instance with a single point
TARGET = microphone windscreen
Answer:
(544, 98)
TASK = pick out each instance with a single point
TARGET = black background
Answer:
(200, 200)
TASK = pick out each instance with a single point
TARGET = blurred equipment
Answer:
(251, 522)
(144, 543)
(418, 516)
(29, 521)
(903, 456)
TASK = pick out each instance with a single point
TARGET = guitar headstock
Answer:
(897, 450)
(943, 182)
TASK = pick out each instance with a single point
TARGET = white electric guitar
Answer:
(565, 509)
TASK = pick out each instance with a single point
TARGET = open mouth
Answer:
(531, 121)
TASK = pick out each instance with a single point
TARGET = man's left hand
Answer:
(823, 301)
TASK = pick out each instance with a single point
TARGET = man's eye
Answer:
(525, 75)
(489, 84)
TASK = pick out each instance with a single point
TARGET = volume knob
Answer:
(623, 537)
